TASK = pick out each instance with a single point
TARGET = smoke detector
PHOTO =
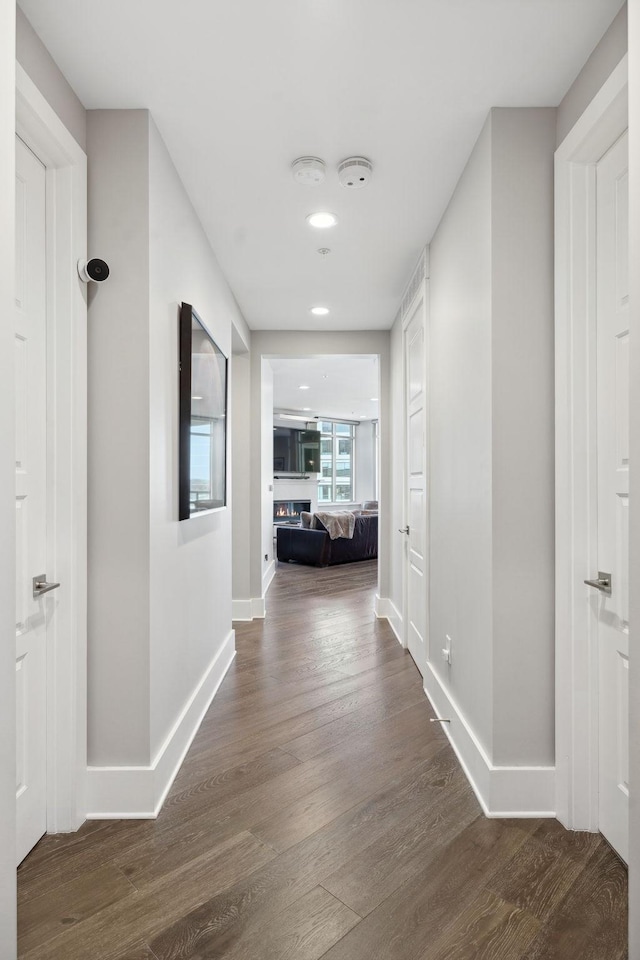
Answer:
(355, 172)
(308, 171)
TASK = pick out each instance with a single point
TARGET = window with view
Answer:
(336, 462)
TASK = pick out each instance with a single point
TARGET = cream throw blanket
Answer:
(341, 524)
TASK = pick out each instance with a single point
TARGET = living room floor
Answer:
(319, 814)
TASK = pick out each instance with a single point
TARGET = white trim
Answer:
(385, 609)
(139, 792)
(258, 608)
(420, 302)
(254, 608)
(268, 576)
(501, 791)
(66, 184)
(604, 120)
(242, 609)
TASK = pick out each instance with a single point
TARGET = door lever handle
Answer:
(403, 530)
(603, 583)
(40, 586)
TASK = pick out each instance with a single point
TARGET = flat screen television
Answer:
(295, 451)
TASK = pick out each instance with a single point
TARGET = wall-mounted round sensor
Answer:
(309, 171)
(322, 220)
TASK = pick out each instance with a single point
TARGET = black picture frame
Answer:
(202, 444)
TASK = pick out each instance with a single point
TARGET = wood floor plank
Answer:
(591, 922)
(488, 929)
(538, 879)
(64, 864)
(300, 820)
(303, 931)
(70, 903)
(382, 708)
(211, 928)
(367, 879)
(319, 815)
(147, 911)
(138, 951)
(405, 925)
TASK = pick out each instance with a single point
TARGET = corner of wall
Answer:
(502, 791)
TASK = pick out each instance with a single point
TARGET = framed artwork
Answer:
(202, 444)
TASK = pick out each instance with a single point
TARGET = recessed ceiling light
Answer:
(304, 386)
(373, 399)
(306, 408)
(196, 398)
(322, 219)
(319, 311)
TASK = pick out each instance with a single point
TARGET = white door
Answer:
(31, 488)
(415, 560)
(612, 610)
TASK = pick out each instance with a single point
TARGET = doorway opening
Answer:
(326, 415)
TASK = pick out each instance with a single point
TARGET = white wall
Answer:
(32, 54)
(7, 487)
(266, 475)
(241, 477)
(491, 424)
(190, 570)
(522, 371)
(605, 56)
(118, 448)
(634, 530)
(460, 454)
(160, 590)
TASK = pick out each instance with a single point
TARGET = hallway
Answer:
(320, 814)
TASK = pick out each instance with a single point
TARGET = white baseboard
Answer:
(139, 792)
(268, 576)
(501, 791)
(254, 608)
(385, 609)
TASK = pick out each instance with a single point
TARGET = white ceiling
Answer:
(339, 387)
(240, 88)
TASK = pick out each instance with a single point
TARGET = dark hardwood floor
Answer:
(320, 814)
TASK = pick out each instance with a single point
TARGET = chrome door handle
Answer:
(40, 586)
(603, 583)
(404, 530)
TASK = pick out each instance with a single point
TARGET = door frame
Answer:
(602, 123)
(421, 295)
(66, 240)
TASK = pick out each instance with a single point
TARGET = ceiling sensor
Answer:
(324, 251)
(309, 171)
(355, 172)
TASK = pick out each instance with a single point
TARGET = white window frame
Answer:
(334, 438)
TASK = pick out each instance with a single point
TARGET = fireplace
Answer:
(288, 511)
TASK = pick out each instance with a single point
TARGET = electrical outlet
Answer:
(446, 650)
(266, 556)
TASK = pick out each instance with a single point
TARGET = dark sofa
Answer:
(315, 547)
